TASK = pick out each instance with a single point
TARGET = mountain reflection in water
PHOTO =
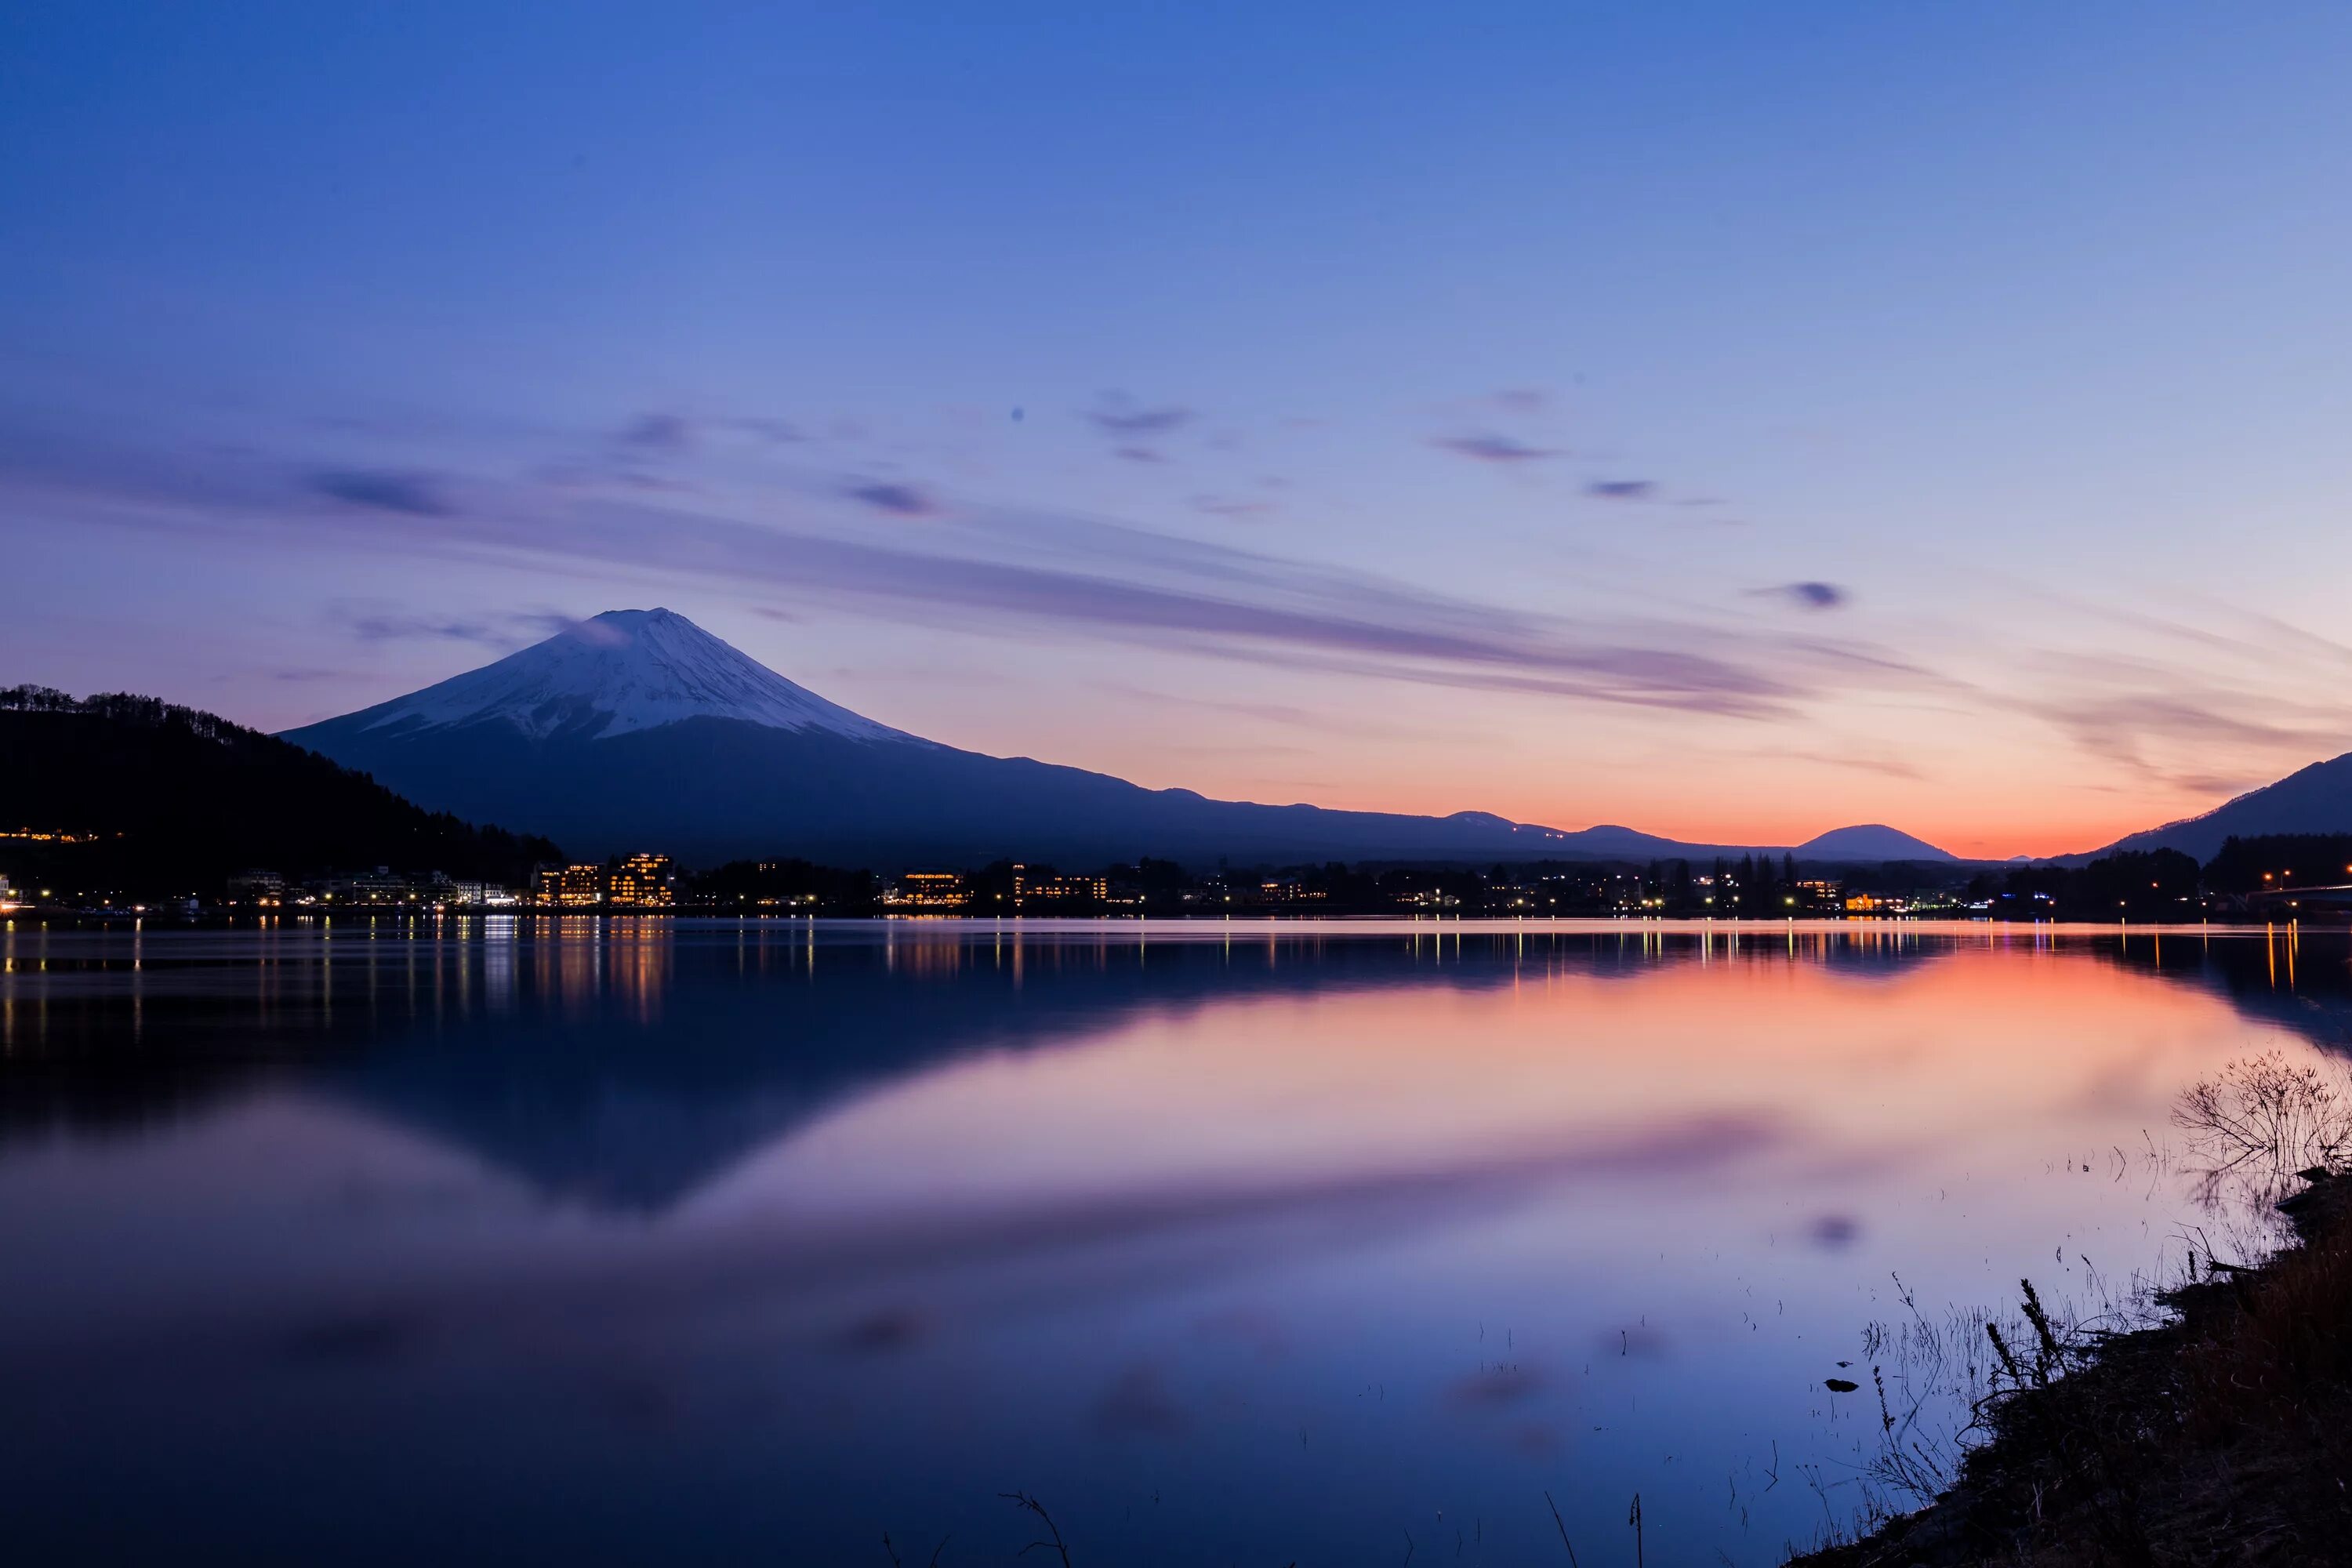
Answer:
(621, 1238)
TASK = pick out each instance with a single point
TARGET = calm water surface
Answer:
(632, 1241)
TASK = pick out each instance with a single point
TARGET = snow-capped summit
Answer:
(620, 672)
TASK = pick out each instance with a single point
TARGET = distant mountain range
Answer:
(639, 730)
(2316, 799)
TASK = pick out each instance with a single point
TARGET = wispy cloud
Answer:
(405, 628)
(1284, 715)
(2172, 736)
(1494, 448)
(1809, 595)
(417, 495)
(997, 570)
(1621, 490)
(776, 432)
(1885, 764)
(1219, 506)
(662, 433)
(2222, 699)
(1119, 415)
(898, 499)
(658, 433)
(375, 625)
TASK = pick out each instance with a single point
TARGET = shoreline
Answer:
(1696, 924)
(2222, 1435)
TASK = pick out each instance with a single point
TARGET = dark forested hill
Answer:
(162, 799)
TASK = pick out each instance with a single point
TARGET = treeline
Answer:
(2139, 884)
(2164, 884)
(784, 886)
(162, 800)
(2280, 859)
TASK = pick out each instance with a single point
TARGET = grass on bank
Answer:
(2222, 1436)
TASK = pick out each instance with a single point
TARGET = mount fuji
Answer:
(623, 672)
(639, 730)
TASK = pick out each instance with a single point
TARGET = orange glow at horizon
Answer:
(1981, 806)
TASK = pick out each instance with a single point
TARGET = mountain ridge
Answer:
(2313, 799)
(637, 729)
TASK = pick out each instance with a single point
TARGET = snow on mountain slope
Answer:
(623, 672)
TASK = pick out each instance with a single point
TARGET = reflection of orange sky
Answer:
(2007, 1056)
(1481, 1117)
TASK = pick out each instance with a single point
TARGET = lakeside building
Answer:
(1876, 904)
(257, 888)
(8, 899)
(377, 887)
(1057, 887)
(642, 881)
(569, 887)
(929, 890)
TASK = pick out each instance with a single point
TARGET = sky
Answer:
(1730, 421)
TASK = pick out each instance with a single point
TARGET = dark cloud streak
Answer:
(1810, 595)
(658, 433)
(1228, 602)
(414, 494)
(900, 500)
(1000, 571)
(1492, 449)
(500, 632)
(1116, 418)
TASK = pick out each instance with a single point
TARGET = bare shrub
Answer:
(2263, 1119)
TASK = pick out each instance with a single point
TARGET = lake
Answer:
(632, 1240)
